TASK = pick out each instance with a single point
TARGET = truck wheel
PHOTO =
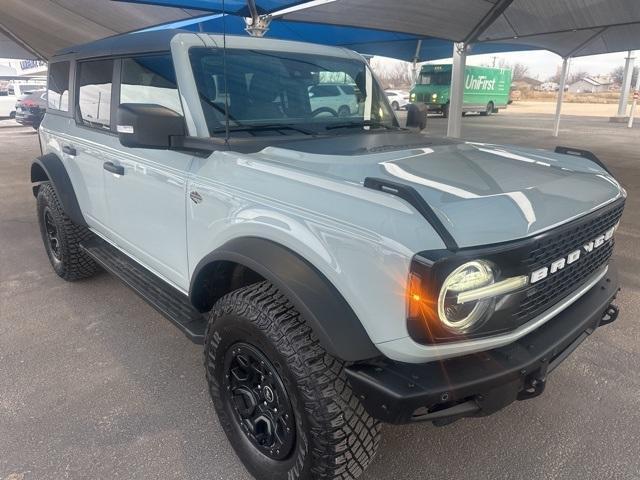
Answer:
(488, 110)
(62, 238)
(445, 111)
(282, 400)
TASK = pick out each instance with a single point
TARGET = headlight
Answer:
(451, 302)
(412, 97)
(460, 317)
(434, 96)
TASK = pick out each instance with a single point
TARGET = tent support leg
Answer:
(454, 122)
(416, 59)
(563, 82)
(626, 85)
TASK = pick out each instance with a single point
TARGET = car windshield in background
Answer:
(442, 78)
(288, 92)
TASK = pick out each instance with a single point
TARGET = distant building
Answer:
(526, 83)
(592, 85)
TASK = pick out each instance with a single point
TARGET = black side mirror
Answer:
(417, 116)
(143, 125)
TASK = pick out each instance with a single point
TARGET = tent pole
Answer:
(636, 93)
(626, 85)
(454, 122)
(416, 59)
(563, 82)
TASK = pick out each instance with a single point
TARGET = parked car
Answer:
(334, 99)
(30, 109)
(398, 99)
(340, 271)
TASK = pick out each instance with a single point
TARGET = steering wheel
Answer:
(320, 110)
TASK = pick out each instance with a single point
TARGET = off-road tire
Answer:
(335, 437)
(71, 262)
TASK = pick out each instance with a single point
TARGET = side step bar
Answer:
(163, 297)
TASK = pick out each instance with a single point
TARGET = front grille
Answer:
(546, 293)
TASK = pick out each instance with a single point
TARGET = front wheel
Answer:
(282, 400)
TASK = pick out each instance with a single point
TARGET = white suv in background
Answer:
(341, 98)
(399, 99)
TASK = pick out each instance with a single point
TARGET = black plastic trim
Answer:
(56, 173)
(576, 152)
(318, 301)
(397, 392)
(410, 195)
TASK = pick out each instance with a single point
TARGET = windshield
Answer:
(293, 92)
(440, 78)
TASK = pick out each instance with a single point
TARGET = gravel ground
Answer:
(94, 384)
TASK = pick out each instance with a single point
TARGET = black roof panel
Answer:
(128, 43)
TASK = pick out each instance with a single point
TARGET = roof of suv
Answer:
(159, 41)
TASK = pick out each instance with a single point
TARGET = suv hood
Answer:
(482, 193)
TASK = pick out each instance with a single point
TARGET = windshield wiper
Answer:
(365, 123)
(273, 126)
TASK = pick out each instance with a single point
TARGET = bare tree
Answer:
(519, 70)
(392, 73)
(618, 73)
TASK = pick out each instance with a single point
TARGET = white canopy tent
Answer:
(37, 28)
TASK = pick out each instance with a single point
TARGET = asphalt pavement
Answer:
(95, 384)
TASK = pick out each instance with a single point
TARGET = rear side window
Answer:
(94, 93)
(58, 87)
(324, 91)
(150, 79)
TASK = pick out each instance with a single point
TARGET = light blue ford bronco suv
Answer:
(340, 271)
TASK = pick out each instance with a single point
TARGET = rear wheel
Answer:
(488, 110)
(282, 400)
(62, 238)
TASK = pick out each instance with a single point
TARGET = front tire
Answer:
(261, 356)
(62, 238)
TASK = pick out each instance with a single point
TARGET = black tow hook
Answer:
(610, 315)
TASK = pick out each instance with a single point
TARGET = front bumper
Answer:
(482, 383)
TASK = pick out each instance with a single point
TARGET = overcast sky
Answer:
(543, 64)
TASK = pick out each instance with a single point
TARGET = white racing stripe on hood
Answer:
(519, 198)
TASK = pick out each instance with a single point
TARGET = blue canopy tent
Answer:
(367, 41)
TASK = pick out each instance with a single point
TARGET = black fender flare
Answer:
(330, 316)
(49, 168)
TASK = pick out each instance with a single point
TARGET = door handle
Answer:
(113, 168)
(69, 150)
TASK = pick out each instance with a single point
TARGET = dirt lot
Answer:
(95, 384)
(582, 109)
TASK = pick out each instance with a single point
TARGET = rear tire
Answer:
(257, 348)
(62, 238)
(488, 110)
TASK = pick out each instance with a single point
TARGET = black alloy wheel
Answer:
(259, 400)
